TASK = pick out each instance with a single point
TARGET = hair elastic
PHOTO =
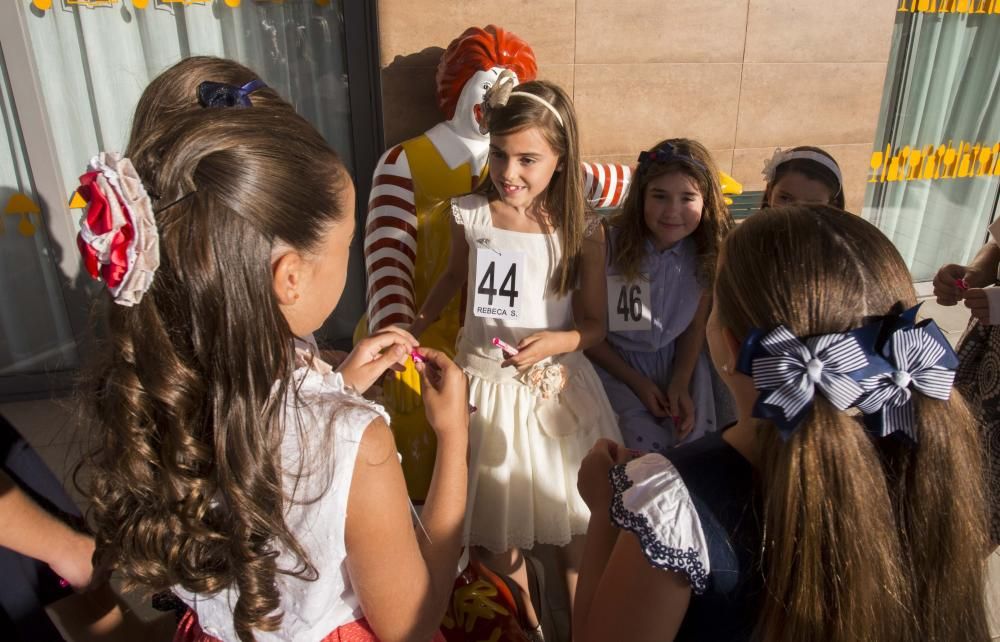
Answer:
(665, 154)
(780, 158)
(220, 94)
(541, 101)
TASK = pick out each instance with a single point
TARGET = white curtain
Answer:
(949, 83)
(35, 335)
(93, 64)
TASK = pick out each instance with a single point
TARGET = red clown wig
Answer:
(478, 50)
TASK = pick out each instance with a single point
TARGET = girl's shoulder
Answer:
(323, 406)
(470, 209)
(594, 227)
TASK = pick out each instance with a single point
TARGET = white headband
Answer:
(780, 158)
(541, 101)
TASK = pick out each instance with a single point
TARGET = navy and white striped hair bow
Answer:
(919, 358)
(788, 371)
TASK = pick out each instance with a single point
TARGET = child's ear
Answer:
(287, 273)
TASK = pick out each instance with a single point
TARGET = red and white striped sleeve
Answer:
(605, 184)
(391, 243)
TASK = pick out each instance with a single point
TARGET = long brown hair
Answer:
(564, 201)
(864, 539)
(629, 247)
(187, 402)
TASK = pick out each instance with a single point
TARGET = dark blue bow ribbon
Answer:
(665, 154)
(919, 358)
(219, 94)
(788, 371)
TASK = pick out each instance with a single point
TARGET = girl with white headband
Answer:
(846, 503)
(535, 299)
(802, 175)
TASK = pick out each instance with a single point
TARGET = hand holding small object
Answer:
(592, 480)
(977, 300)
(531, 349)
(445, 392)
(385, 350)
(950, 284)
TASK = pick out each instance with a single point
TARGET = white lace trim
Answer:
(651, 500)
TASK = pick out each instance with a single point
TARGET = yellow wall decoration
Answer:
(21, 205)
(45, 5)
(76, 201)
(940, 162)
(91, 3)
(949, 6)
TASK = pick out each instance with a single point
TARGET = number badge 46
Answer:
(628, 304)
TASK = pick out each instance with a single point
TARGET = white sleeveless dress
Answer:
(526, 441)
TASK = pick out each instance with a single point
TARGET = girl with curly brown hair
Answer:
(234, 466)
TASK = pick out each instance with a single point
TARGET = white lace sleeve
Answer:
(651, 501)
(590, 225)
(456, 212)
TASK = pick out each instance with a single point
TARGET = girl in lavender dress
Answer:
(662, 251)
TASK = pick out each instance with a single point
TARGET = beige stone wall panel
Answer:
(409, 103)
(642, 31)
(799, 104)
(625, 108)
(411, 26)
(819, 30)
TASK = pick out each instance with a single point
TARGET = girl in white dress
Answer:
(534, 268)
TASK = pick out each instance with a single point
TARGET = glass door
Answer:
(935, 176)
(77, 69)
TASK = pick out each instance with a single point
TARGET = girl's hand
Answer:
(979, 304)
(592, 480)
(73, 562)
(681, 408)
(652, 397)
(534, 348)
(946, 283)
(386, 349)
(445, 393)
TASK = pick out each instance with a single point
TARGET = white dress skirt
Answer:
(530, 431)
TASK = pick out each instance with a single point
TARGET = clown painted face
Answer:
(468, 111)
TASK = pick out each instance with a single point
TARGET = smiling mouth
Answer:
(510, 189)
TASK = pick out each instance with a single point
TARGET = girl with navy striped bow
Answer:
(846, 503)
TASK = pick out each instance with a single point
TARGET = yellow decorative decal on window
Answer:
(949, 6)
(91, 3)
(964, 160)
(21, 205)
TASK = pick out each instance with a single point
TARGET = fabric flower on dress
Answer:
(545, 380)
(118, 239)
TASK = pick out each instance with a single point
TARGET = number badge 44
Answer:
(628, 304)
(498, 284)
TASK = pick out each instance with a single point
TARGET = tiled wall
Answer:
(741, 76)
